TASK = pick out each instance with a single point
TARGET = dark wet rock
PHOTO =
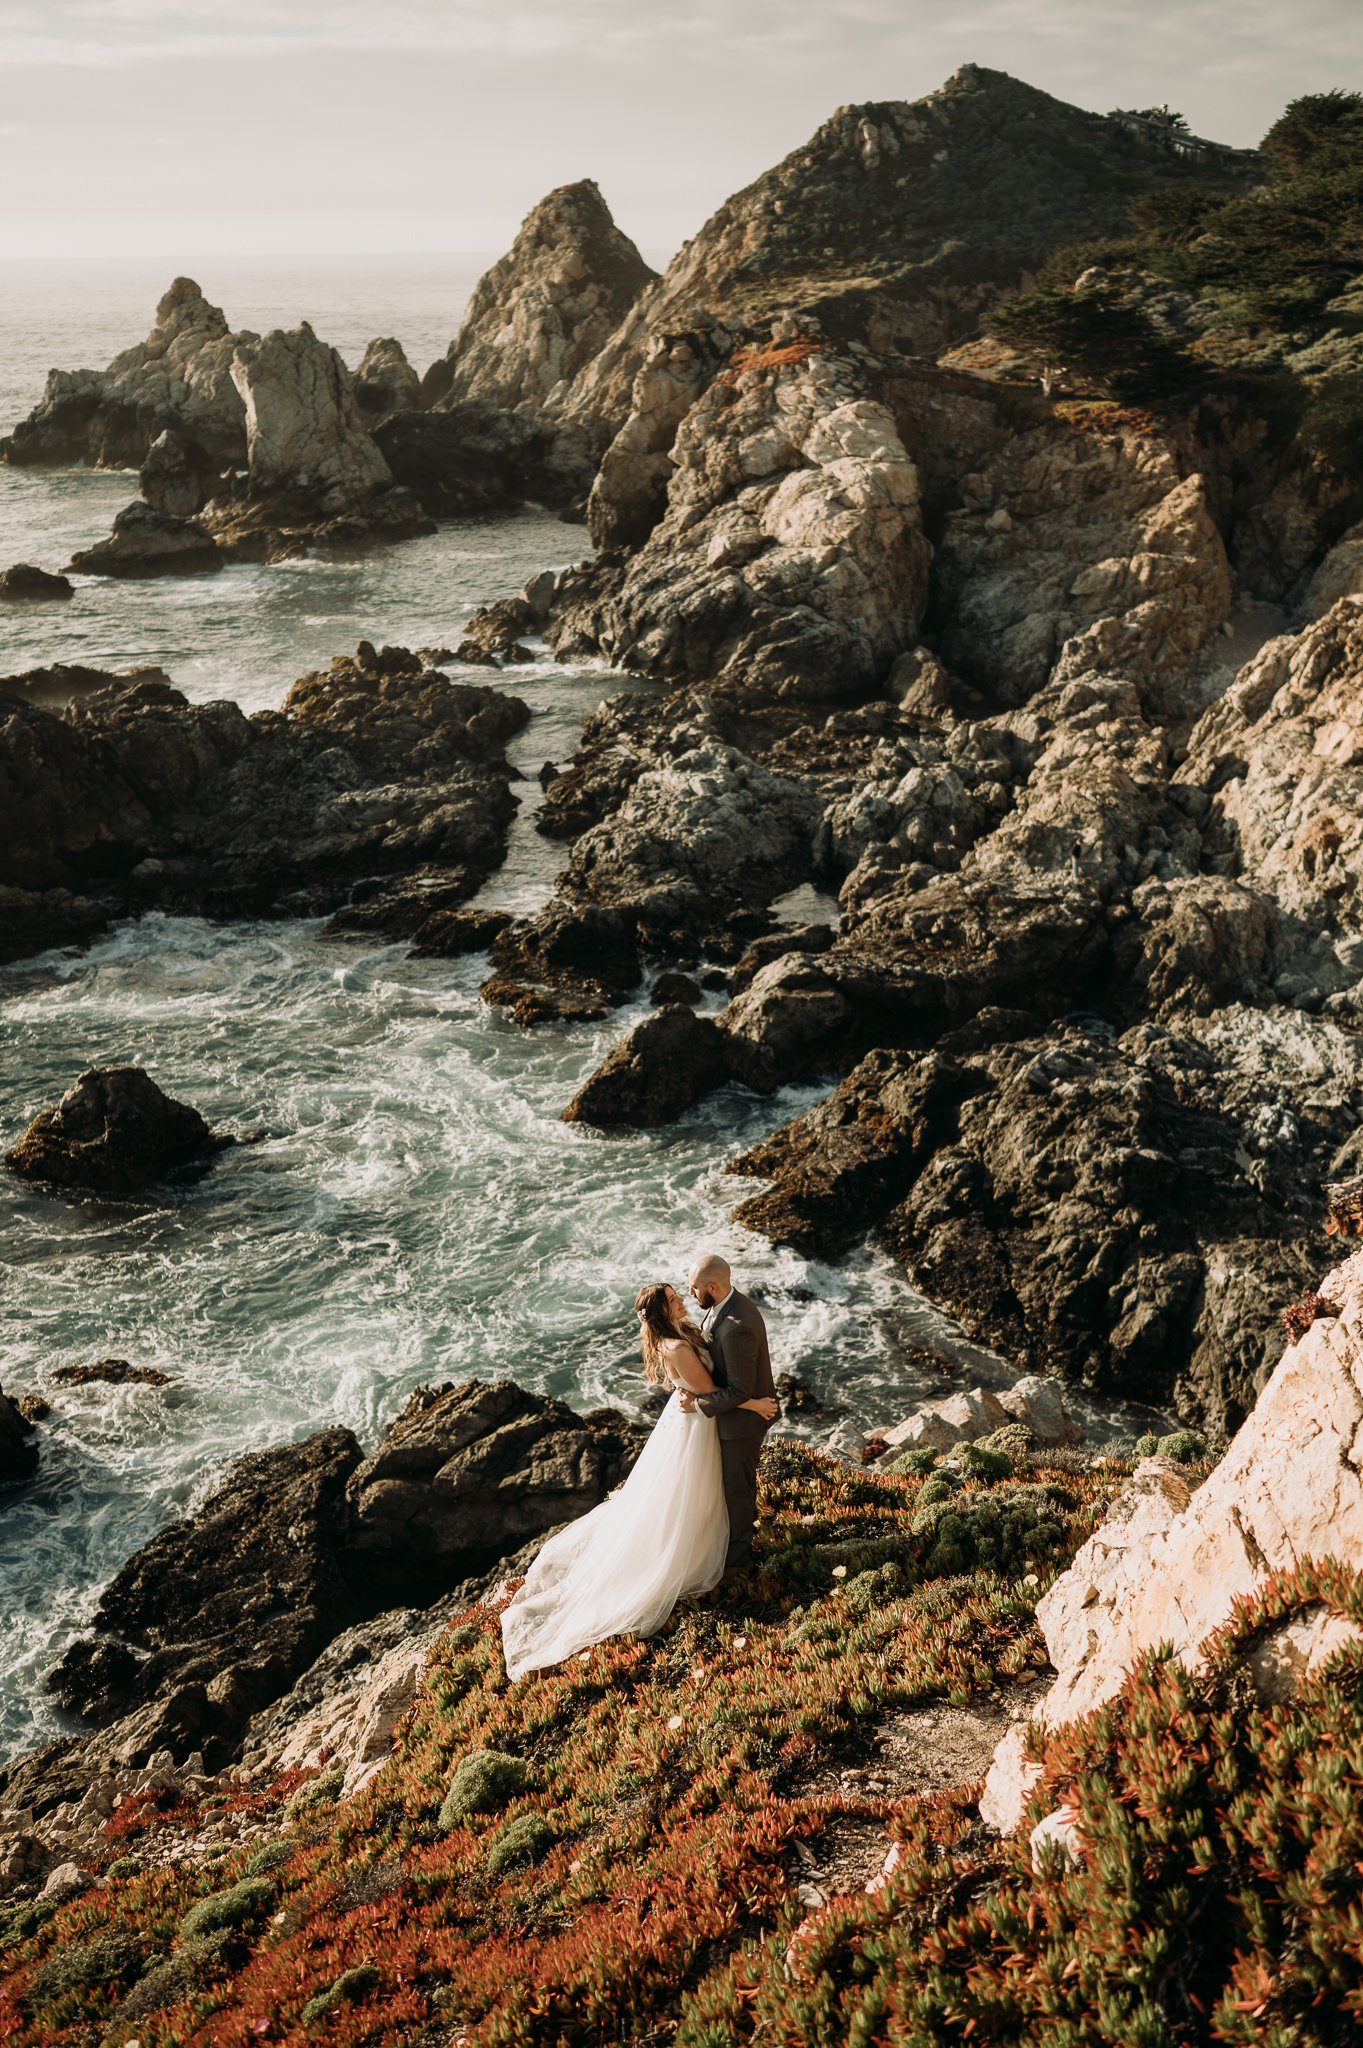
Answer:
(18, 1451)
(1092, 1213)
(115, 1133)
(797, 1397)
(840, 1166)
(375, 771)
(114, 1372)
(23, 582)
(145, 542)
(64, 683)
(176, 477)
(788, 1020)
(528, 1005)
(468, 459)
(588, 949)
(444, 934)
(35, 920)
(500, 628)
(674, 988)
(804, 938)
(467, 1473)
(664, 1064)
(304, 1547)
(222, 1611)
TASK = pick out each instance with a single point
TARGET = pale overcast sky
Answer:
(131, 127)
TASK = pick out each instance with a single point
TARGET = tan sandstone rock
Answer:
(304, 431)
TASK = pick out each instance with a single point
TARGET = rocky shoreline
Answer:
(1057, 692)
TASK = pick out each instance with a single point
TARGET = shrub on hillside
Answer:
(483, 1783)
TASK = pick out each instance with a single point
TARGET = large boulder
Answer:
(1128, 1212)
(1281, 758)
(1090, 550)
(305, 436)
(708, 825)
(468, 458)
(25, 584)
(662, 1065)
(547, 307)
(222, 1611)
(115, 1133)
(1169, 1564)
(839, 1166)
(145, 542)
(176, 477)
(468, 1473)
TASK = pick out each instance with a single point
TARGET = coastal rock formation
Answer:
(709, 824)
(264, 436)
(1169, 1564)
(179, 377)
(217, 1617)
(1087, 550)
(467, 459)
(895, 224)
(664, 1064)
(222, 1611)
(113, 1132)
(546, 308)
(145, 542)
(23, 583)
(791, 551)
(467, 1473)
(1281, 759)
(385, 381)
(305, 437)
(18, 1451)
(176, 477)
(374, 772)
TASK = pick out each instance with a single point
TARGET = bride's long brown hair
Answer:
(656, 1328)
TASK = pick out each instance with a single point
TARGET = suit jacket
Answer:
(741, 1367)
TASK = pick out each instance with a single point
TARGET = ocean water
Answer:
(418, 1210)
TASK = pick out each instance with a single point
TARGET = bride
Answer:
(622, 1568)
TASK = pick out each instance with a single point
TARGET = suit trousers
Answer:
(738, 1460)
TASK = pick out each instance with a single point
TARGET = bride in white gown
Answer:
(622, 1568)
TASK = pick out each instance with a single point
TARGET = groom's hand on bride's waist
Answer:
(687, 1401)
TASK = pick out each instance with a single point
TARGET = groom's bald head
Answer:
(710, 1279)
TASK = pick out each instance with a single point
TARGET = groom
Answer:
(741, 1364)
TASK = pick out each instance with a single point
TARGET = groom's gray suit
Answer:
(740, 1365)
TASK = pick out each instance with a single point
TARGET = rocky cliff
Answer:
(546, 309)
(896, 224)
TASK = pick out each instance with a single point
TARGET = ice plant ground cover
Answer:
(633, 1876)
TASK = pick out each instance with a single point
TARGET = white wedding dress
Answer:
(621, 1569)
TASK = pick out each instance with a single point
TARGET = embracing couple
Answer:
(683, 1520)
